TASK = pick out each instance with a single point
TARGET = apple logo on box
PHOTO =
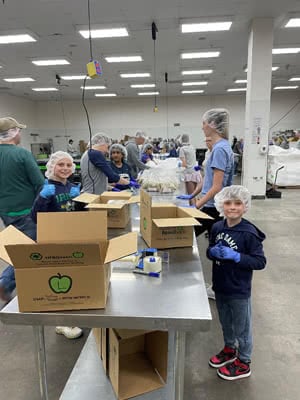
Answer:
(60, 283)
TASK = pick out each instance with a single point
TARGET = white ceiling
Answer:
(54, 22)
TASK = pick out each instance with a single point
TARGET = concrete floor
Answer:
(276, 320)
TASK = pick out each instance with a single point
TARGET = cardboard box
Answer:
(104, 348)
(69, 266)
(115, 203)
(97, 332)
(164, 225)
(138, 361)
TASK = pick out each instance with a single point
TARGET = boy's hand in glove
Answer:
(48, 190)
(75, 191)
(216, 251)
(229, 254)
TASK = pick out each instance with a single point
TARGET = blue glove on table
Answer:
(133, 183)
(229, 254)
(75, 191)
(185, 197)
(215, 251)
(48, 190)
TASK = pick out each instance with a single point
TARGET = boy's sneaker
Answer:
(70, 332)
(236, 370)
(226, 356)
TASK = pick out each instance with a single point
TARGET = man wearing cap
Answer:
(133, 154)
(20, 182)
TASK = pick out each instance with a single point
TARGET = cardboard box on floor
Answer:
(115, 203)
(138, 361)
(164, 225)
(98, 339)
(69, 266)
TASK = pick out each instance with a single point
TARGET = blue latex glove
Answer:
(197, 168)
(184, 197)
(215, 251)
(75, 191)
(133, 183)
(229, 254)
(48, 190)
(115, 189)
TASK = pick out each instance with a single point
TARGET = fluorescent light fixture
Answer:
(287, 50)
(43, 63)
(49, 89)
(93, 87)
(104, 33)
(19, 38)
(206, 27)
(293, 23)
(137, 75)
(240, 81)
(200, 54)
(199, 83)
(295, 79)
(116, 59)
(144, 85)
(285, 87)
(197, 72)
(237, 90)
(18, 79)
(74, 77)
(105, 94)
(273, 69)
(192, 91)
(148, 93)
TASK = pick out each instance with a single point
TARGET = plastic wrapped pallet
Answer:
(290, 158)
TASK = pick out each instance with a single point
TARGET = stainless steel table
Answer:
(176, 302)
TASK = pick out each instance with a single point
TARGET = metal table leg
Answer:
(39, 342)
(179, 362)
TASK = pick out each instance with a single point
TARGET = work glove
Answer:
(75, 191)
(115, 189)
(229, 254)
(185, 197)
(215, 251)
(48, 190)
(133, 183)
(197, 168)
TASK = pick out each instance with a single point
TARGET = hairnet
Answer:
(140, 134)
(234, 192)
(120, 148)
(218, 119)
(8, 135)
(53, 160)
(147, 146)
(184, 139)
(98, 139)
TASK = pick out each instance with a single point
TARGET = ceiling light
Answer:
(285, 87)
(20, 38)
(288, 50)
(202, 54)
(123, 59)
(273, 69)
(144, 85)
(294, 79)
(93, 87)
(237, 90)
(49, 89)
(105, 94)
(43, 63)
(199, 83)
(206, 27)
(18, 80)
(197, 72)
(191, 91)
(240, 81)
(74, 77)
(293, 23)
(137, 75)
(104, 33)
(148, 93)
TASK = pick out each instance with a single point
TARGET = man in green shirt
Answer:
(20, 182)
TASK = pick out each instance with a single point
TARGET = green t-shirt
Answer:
(20, 180)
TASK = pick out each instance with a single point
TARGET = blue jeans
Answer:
(26, 225)
(235, 318)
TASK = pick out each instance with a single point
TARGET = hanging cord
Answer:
(167, 103)
(154, 32)
(63, 111)
(90, 33)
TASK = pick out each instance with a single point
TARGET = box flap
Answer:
(104, 206)
(146, 200)
(134, 200)
(123, 195)
(11, 235)
(174, 222)
(86, 198)
(194, 212)
(72, 227)
(129, 333)
(121, 246)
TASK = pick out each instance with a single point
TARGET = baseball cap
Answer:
(9, 123)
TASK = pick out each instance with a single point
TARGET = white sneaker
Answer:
(70, 332)
(210, 292)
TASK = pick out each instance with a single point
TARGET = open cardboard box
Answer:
(164, 225)
(138, 361)
(69, 266)
(115, 203)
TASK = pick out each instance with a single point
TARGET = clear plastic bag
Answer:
(163, 178)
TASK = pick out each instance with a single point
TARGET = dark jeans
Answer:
(26, 225)
(206, 224)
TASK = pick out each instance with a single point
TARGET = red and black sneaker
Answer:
(226, 356)
(236, 370)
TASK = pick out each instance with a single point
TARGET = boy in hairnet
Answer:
(56, 195)
(235, 247)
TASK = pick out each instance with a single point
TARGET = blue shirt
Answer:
(221, 158)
